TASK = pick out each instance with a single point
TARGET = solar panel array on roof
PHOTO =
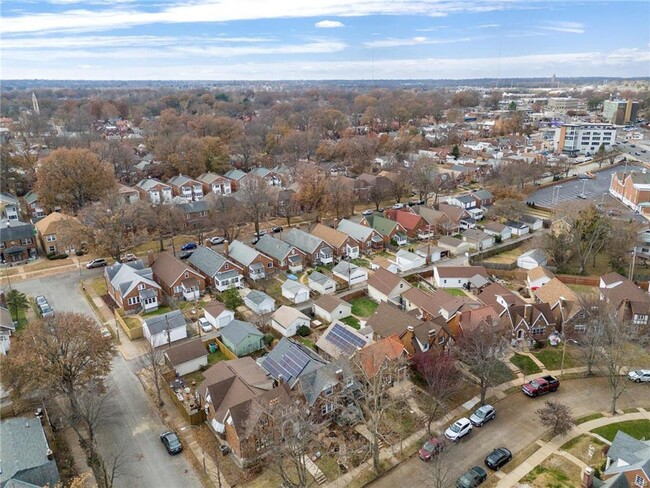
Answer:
(345, 340)
(289, 366)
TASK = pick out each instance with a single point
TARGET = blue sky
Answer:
(322, 39)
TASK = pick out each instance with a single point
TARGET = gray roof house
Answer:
(165, 328)
(627, 459)
(235, 174)
(219, 271)
(259, 302)
(321, 283)
(242, 338)
(284, 255)
(132, 286)
(251, 259)
(27, 460)
(289, 360)
(315, 248)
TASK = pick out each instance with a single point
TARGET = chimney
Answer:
(226, 247)
(49, 454)
(150, 258)
(280, 380)
(528, 312)
(587, 478)
(410, 328)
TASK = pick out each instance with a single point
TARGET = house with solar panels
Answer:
(341, 340)
(289, 360)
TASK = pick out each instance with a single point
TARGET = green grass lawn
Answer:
(364, 263)
(99, 285)
(363, 306)
(352, 322)
(502, 374)
(161, 310)
(307, 342)
(552, 358)
(132, 322)
(215, 357)
(457, 292)
(639, 429)
(587, 418)
(21, 318)
(525, 364)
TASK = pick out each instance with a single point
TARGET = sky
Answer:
(322, 39)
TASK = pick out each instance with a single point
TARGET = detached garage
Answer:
(187, 357)
(531, 259)
(218, 315)
(165, 328)
(350, 273)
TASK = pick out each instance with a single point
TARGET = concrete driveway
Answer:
(135, 426)
(516, 426)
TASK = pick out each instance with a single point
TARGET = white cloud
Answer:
(329, 24)
(570, 27)
(413, 41)
(100, 42)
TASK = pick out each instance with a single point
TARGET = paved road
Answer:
(516, 426)
(135, 425)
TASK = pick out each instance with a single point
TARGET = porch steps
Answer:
(315, 471)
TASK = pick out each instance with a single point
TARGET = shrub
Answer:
(596, 473)
(303, 331)
(53, 257)
(498, 239)
(268, 339)
(80, 252)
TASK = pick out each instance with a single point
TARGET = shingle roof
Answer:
(357, 231)
(285, 316)
(373, 356)
(237, 330)
(341, 340)
(437, 302)
(193, 207)
(333, 237)
(273, 247)
(329, 303)
(187, 351)
(384, 281)
(214, 308)
(303, 240)
(346, 268)
(125, 276)
(382, 225)
(160, 323)
(491, 293)
(13, 231)
(319, 278)
(242, 253)
(461, 271)
(294, 286)
(408, 220)
(298, 358)
(257, 297)
(536, 255)
(149, 183)
(539, 272)
(207, 261)
(51, 223)
(450, 241)
(168, 268)
(235, 174)
(388, 320)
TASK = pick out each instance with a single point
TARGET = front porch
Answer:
(295, 264)
(256, 271)
(148, 300)
(325, 256)
(227, 280)
(190, 290)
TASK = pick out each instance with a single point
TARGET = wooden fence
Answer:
(132, 334)
(196, 417)
(222, 347)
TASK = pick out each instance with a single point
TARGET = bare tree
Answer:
(616, 337)
(557, 416)
(255, 195)
(441, 470)
(425, 174)
(339, 196)
(590, 340)
(481, 351)
(152, 363)
(401, 186)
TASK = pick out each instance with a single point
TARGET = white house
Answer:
(287, 320)
(294, 291)
(498, 229)
(478, 239)
(350, 273)
(321, 283)
(537, 277)
(187, 357)
(384, 286)
(407, 260)
(533, 223)
(259, 302)
(165, 328)
(460, 276)
(7, 328)
(435, 253)
(531, 259)
(217, 314)
(517, 228)
(331, 308)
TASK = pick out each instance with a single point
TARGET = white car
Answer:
(397, 206)
(216, 240)
(458, 429)
(367, 212)
(639, 376)
(205, 325)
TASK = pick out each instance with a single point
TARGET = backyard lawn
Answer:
(306, 342)
(639, 429)
(363, 306)
(352, 322)
(525, 364)
(457, 292)
(161, 310)
(215, 357)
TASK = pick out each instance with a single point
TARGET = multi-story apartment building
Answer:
(633, 189)
(154, 191)
(620, 111)
(186, 187)
(584, 138)
(563, 104)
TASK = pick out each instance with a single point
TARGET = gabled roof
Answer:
(215, 308)
(193, 207)
(611, 278)
(294, 286)
(553, 291)
(237, 331)
(31, 197)
(209, 261)
(384, 281)
(12, 230)
(450, 241)
(273, 247)
(388, 320)
(373, 356)
(182, 180)
(242, 253)
(408, 220)
(313, 383)
(285, 316)
(530, 313)
(8, 199)
(168, 268)
(235, 174)
(357, 231)
(439, 302)
(51, 223)
(329, 303)
(126, 276)
(257, 297)
(302, 240)
(347, 269)
(536, 255)
(160, 323)
(627, 291)
(476, 235)
(483, 195)
(539, 272)
(495, 227)
(209, 177)
(187, 351)
(491, 294)
(453, 212)
(382, 225)
(149, 183)
(333, 237)
(461, 271)
(320, 278)
(290, 360)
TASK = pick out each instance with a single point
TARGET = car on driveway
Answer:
(276, 229)
(205, 324)
(216, 240)
(498, 458)
(367, 212)
(639, 376)
(40, 301)
(185, 254)
(128, 257)
(171, 441)
(472, 478)
(482, 415)
(47, 311)
(105, 332)
(97, 263)
(189, 246)
(458, 429)
(431, 448)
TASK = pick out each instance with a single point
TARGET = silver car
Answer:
(639, 376)
(483, 415)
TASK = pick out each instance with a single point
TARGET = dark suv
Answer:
(171, 441)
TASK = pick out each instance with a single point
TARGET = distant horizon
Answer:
(257, 40)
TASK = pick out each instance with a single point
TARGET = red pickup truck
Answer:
(541, 386)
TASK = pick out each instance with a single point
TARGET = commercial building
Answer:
(620, 111)
(585, 138)
(633, 189)
(563, 104)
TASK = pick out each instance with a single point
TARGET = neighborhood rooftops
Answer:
(289, 360)
(187, 351)
(273, 247)
(303, 240)
(384, 281)
(207, 261)
(160, 323)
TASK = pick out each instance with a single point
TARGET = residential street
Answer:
(135, 426)
(515, 427)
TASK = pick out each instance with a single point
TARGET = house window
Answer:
(441, 340)
(141, 286)
(133, 300)
(580, 328)
(51, 248)
(538, 330)
(27, 240)
(329, 391)
(444, 281)
(187, 274)
(50, 238)
(270, 265)
(349, 383)
(177, 289)
(225, 266)
(638, 481)
(327, 408)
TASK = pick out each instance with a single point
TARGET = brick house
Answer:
(284, 255)
(176, 278)
(316, 250)
(154, 191)
(633, 189)
(132, 287)
(415, 225)
(17, 241)
(342, 244)
(255, 265)
(217, 184)
(186, 187)
(217, 270)
(52, 234)
(367, 237)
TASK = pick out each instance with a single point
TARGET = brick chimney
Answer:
(226, 247)
(150, 258)
(587, 478)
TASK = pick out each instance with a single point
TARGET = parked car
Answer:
(188, 246)
(40, 301)
(97, 263)
(431, 448)
(458, 429)
(639, 376)
(205, 325)
(381, 209)
(397, 206)
(498, 458)
(472, 478)
(216, 240)
(105, 332)
(367, 212)
(541, 386)
(171, 441)
(47, 311)
(581, 196)
(483, 415)
(128, 257)
(185, 254)
(276, 229)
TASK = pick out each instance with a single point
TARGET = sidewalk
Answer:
(553, 446)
